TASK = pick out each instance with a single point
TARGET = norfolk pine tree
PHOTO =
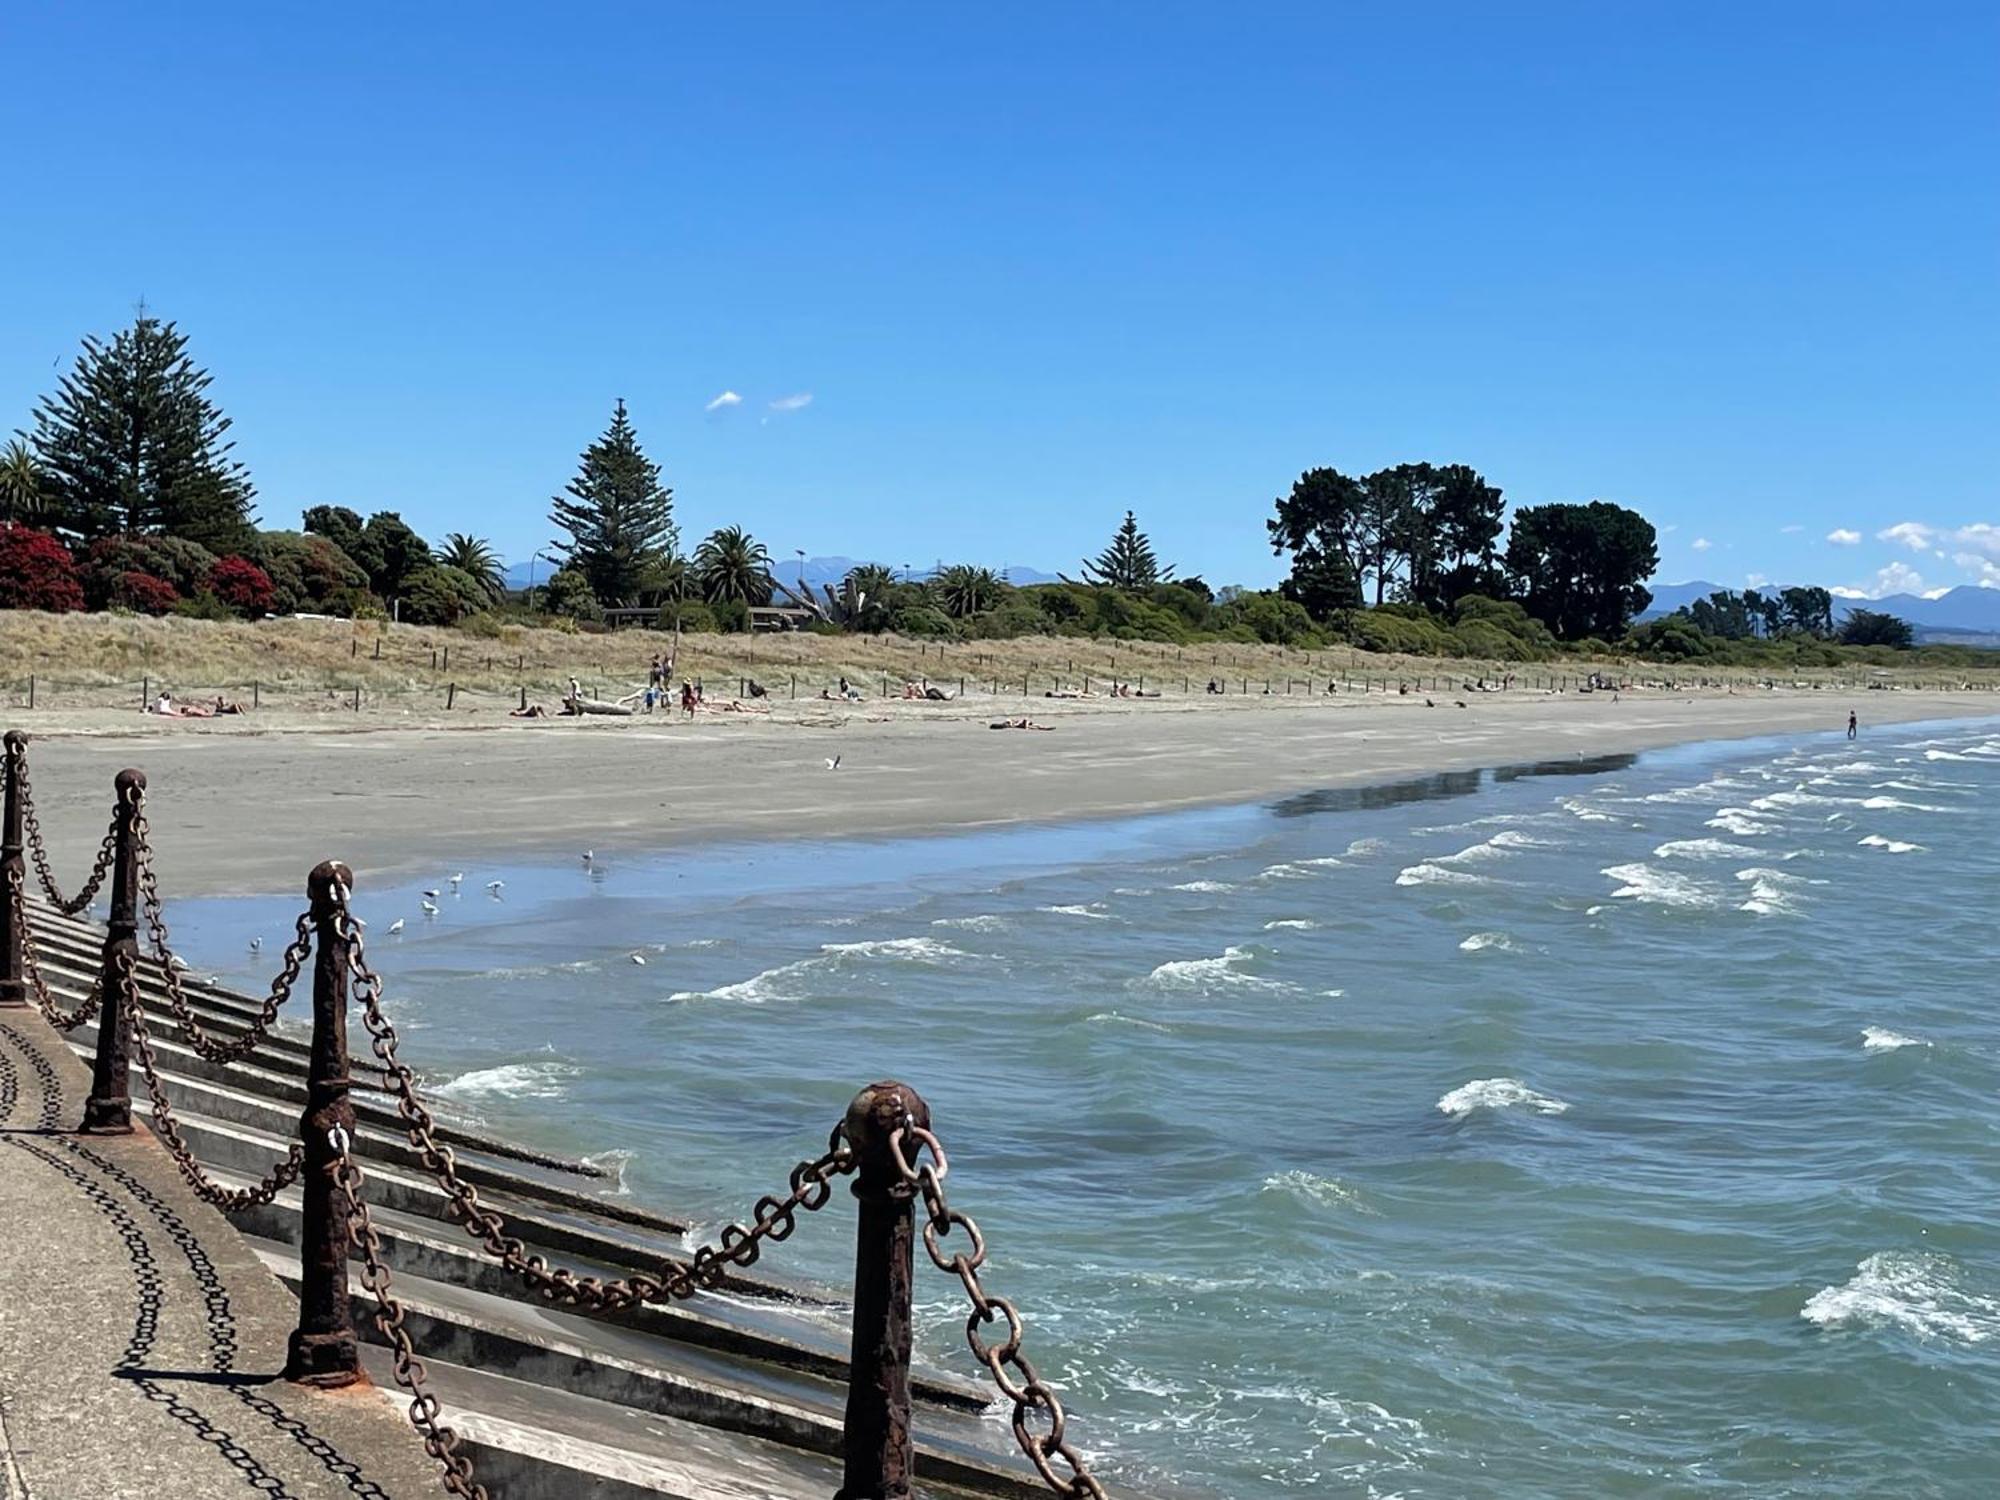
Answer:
(619, 517)
(1128, 563)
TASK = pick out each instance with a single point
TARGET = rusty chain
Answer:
(280, 1177)
(440, 1441)
(774, 1219)
(31, 966)
(38, 849)
(296, 954)
(1030, 1392)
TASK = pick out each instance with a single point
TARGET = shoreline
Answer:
(250, 811)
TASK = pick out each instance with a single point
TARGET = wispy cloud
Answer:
(1701, 544)
(1790, 530)
(1840, 536)
(797, 402)
(1912, 534)
(727, 398)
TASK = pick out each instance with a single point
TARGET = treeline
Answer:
(123, 493)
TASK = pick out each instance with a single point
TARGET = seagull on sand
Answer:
(496, 885)
(396, 926)
(834, 764)
(459, 878)
(430, 908)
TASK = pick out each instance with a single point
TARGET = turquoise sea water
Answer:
(1618, 1128)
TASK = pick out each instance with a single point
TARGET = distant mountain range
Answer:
(1967, 610)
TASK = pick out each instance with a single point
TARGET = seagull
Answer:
(256, 943)
(834, 764)
(177, 964)
(458, 880)
(430, 895)
(1429, 704)
(430, 908)
(1459, 701)
(639, 958)
(589, 855)
(496, 885)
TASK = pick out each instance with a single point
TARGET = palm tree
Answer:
(964, 590)
(476, 559)
(732, 564)
(22, 493)
(872, 580)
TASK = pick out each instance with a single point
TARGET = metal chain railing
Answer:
(811, 1182)
(280, 1177)
(440, 1441)
(39, 853)
(31, 966)
(1030, 1392)
(296, 953)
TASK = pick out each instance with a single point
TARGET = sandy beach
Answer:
(238, 811)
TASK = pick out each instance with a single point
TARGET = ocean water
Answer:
(1608, 1128)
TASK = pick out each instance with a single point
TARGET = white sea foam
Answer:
(1291, 924)
(1224, 971)
(1092, 911)
(1742, 822)
(1202, 885)
(1718, 789)
(1481, 942)
(1583, 812)
(1890, 846)
(1796, 798)
(1897, 804)
(984, 922)
(919, 949)
(1431, 873)
(1947, 755)
(1119, 1018)
(1703, 849)
(1773, 893)
(1497, 1093)
(1366, 846)
(1290, 870)
(539, 1080)
(1327, 1192)
(1882, 1039)
(1657, 887)
(1919, 1293)
(779, 983)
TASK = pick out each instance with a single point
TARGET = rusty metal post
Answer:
(876, 1449)
(13, 866)
(108, 1110)
(323, 1351)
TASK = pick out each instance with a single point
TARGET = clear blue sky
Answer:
(1737, 265)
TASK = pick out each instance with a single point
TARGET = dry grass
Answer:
(80, 661)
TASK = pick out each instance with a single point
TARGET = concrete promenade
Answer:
(141, 1337)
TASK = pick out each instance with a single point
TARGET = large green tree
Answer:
(1872, 627)
(475, 558)
(731, 564)
(1128, 563)
(1807, 611)
(1453, 546)
(24, 492)
(619, 517)
(966, 589)
(385, 548)
(1319, 524)
(1581, 569)
(131, 442)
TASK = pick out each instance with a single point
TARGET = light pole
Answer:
(802, 568)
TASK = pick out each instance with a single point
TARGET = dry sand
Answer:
(236, 810)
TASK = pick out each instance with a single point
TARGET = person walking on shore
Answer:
(1853, 725)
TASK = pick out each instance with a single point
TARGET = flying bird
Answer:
(496, 885)
(430, 895)
(396, 926)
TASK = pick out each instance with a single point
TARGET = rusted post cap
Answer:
(327, 874)
(875, 1115)
(131, 779)
(16, 741)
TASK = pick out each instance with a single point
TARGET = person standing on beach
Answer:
(1853, 725)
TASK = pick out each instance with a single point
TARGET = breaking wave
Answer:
(1882, 1039)
(1657, 887)
(1326, 1192)
(1890, 846)
(1481, 942)
(540, 1080)
(1917, 1293)
(1704, 849)
(1431, 873)
(1497, 1093)
(1224, 971)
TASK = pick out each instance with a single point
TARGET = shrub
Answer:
(924, 623)
(568, 596)
(1482, 638)
(1672, 638)
(243, 586)
(310, 573)
(1269, 617)
(486, 625)
(36, 571)
(732, 616)
(183, 564)
(144, 593)
(204, 606)
(691, 615)
(440, 596)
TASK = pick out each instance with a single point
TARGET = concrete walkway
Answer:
(140, 1337)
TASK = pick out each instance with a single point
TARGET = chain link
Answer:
(31, 966)
(280, 1177)
(296, 954)
(440, 1441)
(38, 849)
(774, 1219)
(1029, 1392)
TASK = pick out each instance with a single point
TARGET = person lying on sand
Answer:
(223, 706)
(734, 707)
(532, 711)
(1019, 724)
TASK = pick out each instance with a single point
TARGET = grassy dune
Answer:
(99, 661)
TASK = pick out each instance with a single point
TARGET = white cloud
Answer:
(1756, 580)
(1845, 593)
(1982, 537)
(1912, 534)
(1840, 536)
(1701, 544)
(1790, 530)
(1937, 593)
(1897, 578)
(797, 402)
(727, 398)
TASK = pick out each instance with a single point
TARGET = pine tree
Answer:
(131, 442)
(619, 517)
(1128, 563)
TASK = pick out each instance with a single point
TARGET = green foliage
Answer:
(204, 606)
(1015, 616)
(477, 560)
(1386, 630)
(1268, 616)
(439, 595)
(385, 549)
(690, 615)
(1871, 627)
(24, 488)
(309, 573)
(1319, 524)
(131, 442)
(619, 517)
(962, 590)
(731, 564)
(484, 625)
(732, 616)
(924, 622)
(1581, 568)
(568, 596)
(1128, 563)
(183, 566)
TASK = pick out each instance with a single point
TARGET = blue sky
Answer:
(1734, 265)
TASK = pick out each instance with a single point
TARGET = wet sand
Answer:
(238, 809)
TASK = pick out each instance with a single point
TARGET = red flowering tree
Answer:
(145, 593)
(243, 586)
(36, 571)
